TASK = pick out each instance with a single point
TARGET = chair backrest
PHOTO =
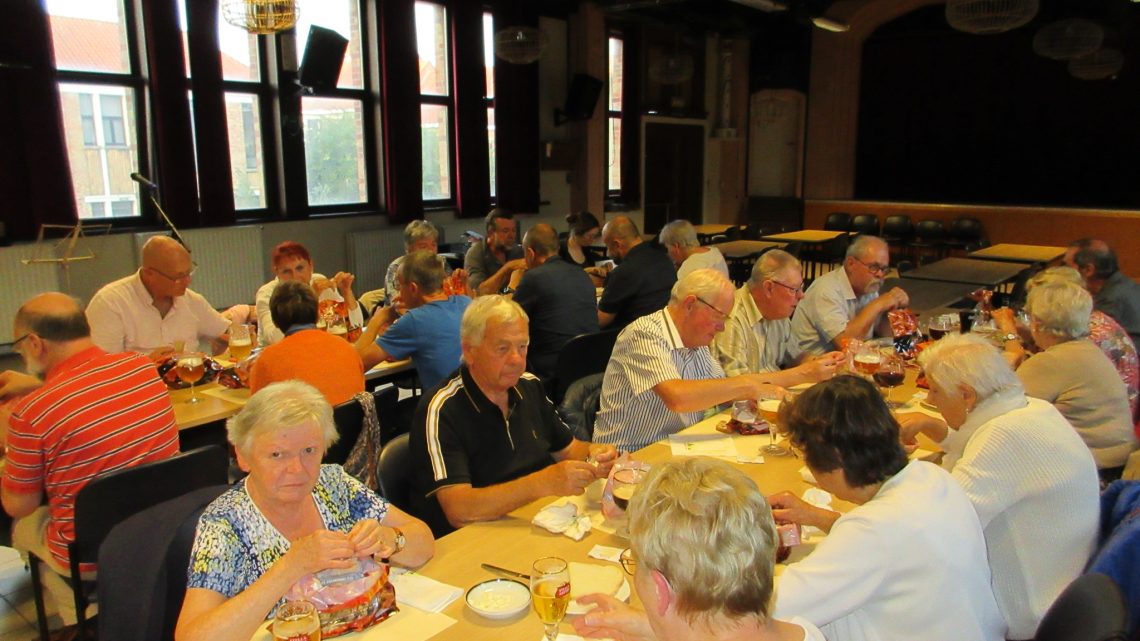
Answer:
(1090, 609)
(579, 407)
(582, 355)
(349, 419)
(930, 229)
(733, 233)
(838, 221)
(966, 229)
(395, 472)
(898, 225)
(110, 498)
(865, 224)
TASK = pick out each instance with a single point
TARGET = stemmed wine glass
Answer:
(191, 366)
(770, 410)
(890, 375)
(296, 620)
(550, 592)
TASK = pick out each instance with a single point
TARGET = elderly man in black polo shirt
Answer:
(487, 440)
(642, 281)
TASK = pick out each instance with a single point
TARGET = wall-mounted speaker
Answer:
(324, 55)
(580, 99)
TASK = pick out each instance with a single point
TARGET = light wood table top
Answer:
(968, 270)
(744, 248)
(806, 236)
(1012, 253)
(711, 229)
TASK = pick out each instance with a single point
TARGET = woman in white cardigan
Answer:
(1032, 480)
(909, 561)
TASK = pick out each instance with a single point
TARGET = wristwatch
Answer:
(401, 540)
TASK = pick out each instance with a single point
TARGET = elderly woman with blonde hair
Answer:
(291, 516)
(1021, 464)
(702, 555)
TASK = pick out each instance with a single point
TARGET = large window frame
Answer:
(614, 116)
(447, 103)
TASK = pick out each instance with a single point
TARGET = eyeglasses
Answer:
(723, 315)
(177, 277)
(794, 290)
(18, 340)
(628, 563)
(875, 268)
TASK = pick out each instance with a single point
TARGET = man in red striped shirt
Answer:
(93, 413)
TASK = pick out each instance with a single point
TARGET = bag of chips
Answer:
(348, 600)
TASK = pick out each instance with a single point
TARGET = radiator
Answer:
(369, 254)
(229, 262)
(21, 281)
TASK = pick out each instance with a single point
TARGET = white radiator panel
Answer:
(229, 263)
(369, 254)
(21, 282)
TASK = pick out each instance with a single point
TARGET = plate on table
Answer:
(622, 594)
(927, 405)
(499, 598)
(801, 387)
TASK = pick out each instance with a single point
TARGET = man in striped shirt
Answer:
(662, 377)
(93, 413)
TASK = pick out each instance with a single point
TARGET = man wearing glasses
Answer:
(758, 335)
(153, 311)
(661, 377)
(844, 304)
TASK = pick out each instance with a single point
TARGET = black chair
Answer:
(831, 253)
(838, 221)
(1090, 609)
(904, 266)
(395, 472)
(110, 498)
(580, 406)
(751, 232)
(964, 232)
(928, 237)
(349, 419)
(897, 230)
(582, 355)
(391, 413)
(865, 224)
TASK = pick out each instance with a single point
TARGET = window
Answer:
(101, 103)
(435, 101)
(613, 116)
(489, 96)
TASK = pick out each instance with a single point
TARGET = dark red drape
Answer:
(472, 169)
(516, 118)
(400, 110)
(35, 179)
(215, 187)
(170, 111)
(630, 117)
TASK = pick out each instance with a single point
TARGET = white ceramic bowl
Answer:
(498, 598)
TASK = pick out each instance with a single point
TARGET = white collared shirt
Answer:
(123, 318)
(826, 309)
(267, 332)
(750, 343)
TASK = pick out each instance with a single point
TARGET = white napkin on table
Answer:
(421, 592)
(818, 498)
(563, 519)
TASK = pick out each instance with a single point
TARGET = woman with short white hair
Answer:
(1073, 374)
(1021, 464)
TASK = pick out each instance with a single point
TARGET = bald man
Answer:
(92, 413)
(558, 297)
(154, 311)
(641, 282)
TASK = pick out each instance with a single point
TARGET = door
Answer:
(674, 173)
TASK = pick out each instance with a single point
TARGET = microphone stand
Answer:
(151, 190)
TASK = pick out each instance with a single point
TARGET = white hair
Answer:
(679, 232)
(1061, 273)
(282, 404)
(971, 361)
(1061, 308)
(418, 230)
(771, 263)
(861, 246)
(702, 283)
(485, 309)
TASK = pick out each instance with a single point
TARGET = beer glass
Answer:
(867, 359)
(241, 342)
(550, 592)
(625, 485)
(191, 366)
(297, 621)
(890, 375)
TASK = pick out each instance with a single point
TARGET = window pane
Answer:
(436, 144)
(613, 172)
(238, 48)
(334, 151)
(431, 41)
(615, 73)
(102, 156)
(243, 121)
(343, 17)
(491, 145)
(89, 35)
(489, 53)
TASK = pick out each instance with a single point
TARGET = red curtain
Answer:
(400, 110)
(215, 180)
(516, 118)
(472, 168)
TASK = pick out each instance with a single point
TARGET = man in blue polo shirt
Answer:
(487, 440)
(641, 282)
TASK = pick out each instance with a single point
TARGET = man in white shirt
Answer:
(291, 261)
(154, 311)
(845, 303)
(758, 335)
(679, 239)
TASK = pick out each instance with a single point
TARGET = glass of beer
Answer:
(550, 592)
(241, 342)
(190, 367)
(626, 481)
(867, 359)
(770, 410)
(297, 621)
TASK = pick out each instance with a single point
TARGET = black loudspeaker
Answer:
(580, 99)
(324, 55)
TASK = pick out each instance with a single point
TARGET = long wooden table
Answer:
(806, 236)
(929, 295)
(1013, 253)
(743, 249)
(989, 273)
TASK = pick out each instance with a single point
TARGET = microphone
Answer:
(144, 181)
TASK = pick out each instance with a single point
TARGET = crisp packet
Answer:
(348, 600)
(904, 329)
(789, 535)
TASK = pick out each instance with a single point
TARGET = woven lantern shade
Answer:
(520, 45)
(1068, 39)
(1098, 65)
(672, 69)
(262, 17)
(989, 16)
